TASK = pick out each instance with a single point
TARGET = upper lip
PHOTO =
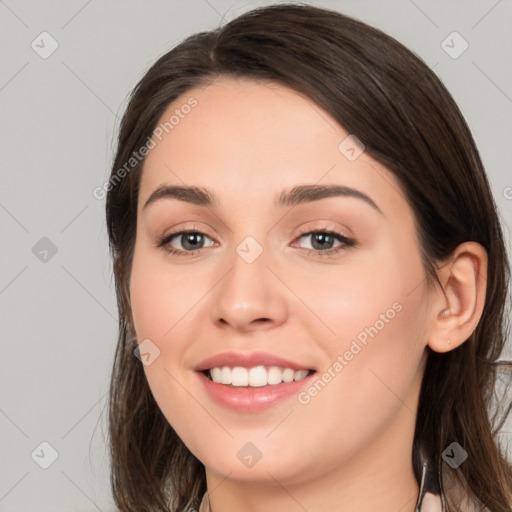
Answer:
(248, 360)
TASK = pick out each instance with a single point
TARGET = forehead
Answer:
(244, 137)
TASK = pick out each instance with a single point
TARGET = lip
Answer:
(248, 399)
(249, 360)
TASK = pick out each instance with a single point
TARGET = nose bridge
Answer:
(249, 291)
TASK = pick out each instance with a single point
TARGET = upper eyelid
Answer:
(337, 231)
(181, 232)
(343, 231)
(306, 231)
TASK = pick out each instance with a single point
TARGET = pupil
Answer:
(323, 239)
(189, 238)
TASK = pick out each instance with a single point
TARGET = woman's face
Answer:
(250, 289)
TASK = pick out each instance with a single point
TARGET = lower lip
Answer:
(249, 399)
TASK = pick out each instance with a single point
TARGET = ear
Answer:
(457, 307)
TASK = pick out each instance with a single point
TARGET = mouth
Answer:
(252, 382)
(254, 377)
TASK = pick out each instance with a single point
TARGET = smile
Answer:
(257, 376)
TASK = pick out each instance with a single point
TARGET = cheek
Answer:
(160, 302)
(160, 297)
(375, 313)
(362, 296)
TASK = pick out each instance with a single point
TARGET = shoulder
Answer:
(457, 496)
(205, 504)
(431, 503)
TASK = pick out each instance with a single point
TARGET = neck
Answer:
(380, 477)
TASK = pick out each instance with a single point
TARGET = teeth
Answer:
(239, 376)
(255, 377)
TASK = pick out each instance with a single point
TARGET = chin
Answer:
(244, 462)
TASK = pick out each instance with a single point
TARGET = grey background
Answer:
(59, 119)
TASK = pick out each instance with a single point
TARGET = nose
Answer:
(249, 296)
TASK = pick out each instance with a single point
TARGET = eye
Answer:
(190, 241)
(323, 242)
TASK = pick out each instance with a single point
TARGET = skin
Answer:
(350, 447)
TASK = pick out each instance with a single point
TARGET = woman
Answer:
(310, 267)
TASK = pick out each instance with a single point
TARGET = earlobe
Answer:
(458, 306)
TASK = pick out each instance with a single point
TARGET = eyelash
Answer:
(346, 242)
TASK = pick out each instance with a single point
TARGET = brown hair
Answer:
(384, 94)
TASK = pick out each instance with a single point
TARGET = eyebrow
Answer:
(300, 194)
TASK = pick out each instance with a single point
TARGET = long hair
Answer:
(388, 97)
